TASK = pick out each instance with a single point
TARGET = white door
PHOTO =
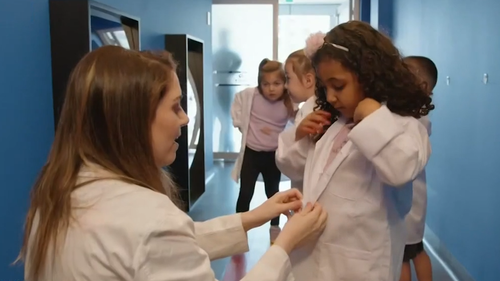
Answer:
(300, 18)
(348, 10)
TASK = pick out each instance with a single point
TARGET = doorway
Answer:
(246, 31)
(300, 18)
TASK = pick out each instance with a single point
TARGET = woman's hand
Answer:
(305, 226)
(312, 124)
(281, 203)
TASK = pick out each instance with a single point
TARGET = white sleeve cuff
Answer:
(374, 132)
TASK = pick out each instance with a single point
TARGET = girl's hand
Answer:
(266, 131)
(284, 202)
(312, 124)
(365, 107)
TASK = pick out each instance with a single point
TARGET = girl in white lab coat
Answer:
(300, 82)
(102, 207)
(366, 148)
(301, 86)
(261, 113)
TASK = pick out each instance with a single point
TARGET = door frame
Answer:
(354, 7)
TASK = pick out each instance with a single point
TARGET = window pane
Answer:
(122, 38)
(294, 30)
(242, 36)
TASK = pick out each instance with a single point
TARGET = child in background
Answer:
(261, 114)
(427, 74)
(300, 82)
(301, 86)
(361, 167)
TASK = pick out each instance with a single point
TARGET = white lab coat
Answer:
(306, 109)
(240, 113)
(126, 232)
(415, 220)
(366, 191)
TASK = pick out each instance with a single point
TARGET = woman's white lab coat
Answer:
(367, 192)
(126, 232)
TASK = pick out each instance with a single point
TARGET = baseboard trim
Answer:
(456, 270)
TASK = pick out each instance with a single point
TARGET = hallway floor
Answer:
(220, 199)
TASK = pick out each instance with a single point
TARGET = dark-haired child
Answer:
(427, 74)
(364, 147)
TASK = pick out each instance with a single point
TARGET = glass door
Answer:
(243, 33)
(348, 10)
(300, 18)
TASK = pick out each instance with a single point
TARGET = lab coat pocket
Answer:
(343, 264)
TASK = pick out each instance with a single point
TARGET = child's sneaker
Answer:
(274, 231)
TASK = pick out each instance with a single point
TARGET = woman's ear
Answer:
(309, 80)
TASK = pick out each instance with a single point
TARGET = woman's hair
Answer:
(378, 66)
(110, 104)
(269, 66)
(301, 64)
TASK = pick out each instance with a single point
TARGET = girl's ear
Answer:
(309, 80)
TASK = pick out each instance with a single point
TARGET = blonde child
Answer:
(361, 165)
(301, 86)
(427, 74)
(261, 114)
(300, 82)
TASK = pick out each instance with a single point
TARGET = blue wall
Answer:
(26, 116)
(463, 174)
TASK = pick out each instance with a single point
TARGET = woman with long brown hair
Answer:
(103, 209)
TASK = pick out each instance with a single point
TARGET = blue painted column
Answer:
(365, 10)
(381, 15)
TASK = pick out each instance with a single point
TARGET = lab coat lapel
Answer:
(321, 175)
(248, 102)
(308, 176)
(330, 170)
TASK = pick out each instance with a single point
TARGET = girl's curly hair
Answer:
(378, 66)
